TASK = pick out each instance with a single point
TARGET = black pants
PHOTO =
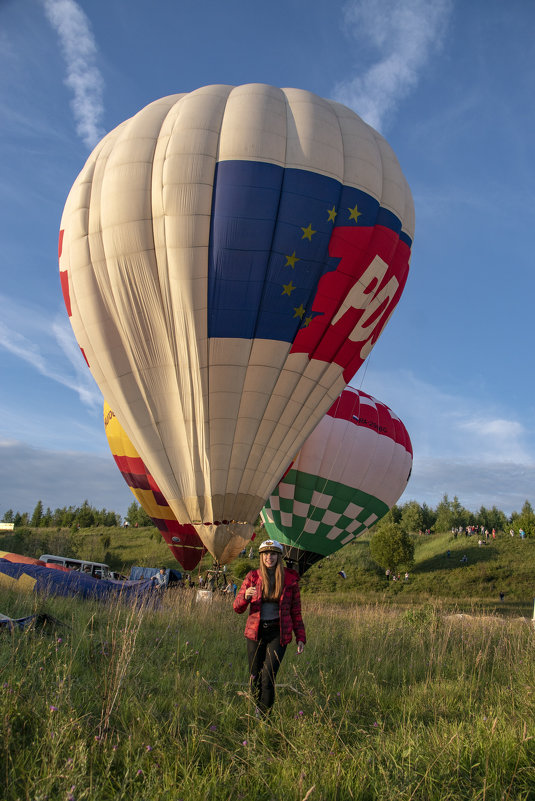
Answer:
(265, 656)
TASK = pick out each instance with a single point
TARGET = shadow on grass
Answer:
(474, 555)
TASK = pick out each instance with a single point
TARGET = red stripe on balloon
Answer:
(64, 278)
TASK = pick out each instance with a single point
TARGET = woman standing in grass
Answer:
(272, 594)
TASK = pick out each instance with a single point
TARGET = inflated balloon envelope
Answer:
(351, 470)
(183, 541)
(228, 259)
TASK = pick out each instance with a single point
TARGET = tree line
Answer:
(392, 544)
(450, 514)
(411, 516)
(84, 516)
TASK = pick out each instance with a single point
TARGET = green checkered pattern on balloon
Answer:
(317, 514)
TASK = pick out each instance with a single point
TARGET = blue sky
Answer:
(451, 86)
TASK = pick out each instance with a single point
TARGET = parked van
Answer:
(95, 569)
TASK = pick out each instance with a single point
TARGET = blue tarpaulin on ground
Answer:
(59, 582)
(171, 575)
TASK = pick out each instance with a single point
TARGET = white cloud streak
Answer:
(29, 334)
(402, 34)
(463, 445)
(83, 76)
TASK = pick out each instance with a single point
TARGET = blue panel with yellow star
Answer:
(269, 245)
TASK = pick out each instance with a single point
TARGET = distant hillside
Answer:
(504, 565)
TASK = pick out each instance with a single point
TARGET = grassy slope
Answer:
(131, 704)
(504, 565)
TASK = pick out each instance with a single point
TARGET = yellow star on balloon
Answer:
(308, 232)
(290, 260)
(354, 213)
(332, 214)
(287, 289)
(307, 322)
(299, 311)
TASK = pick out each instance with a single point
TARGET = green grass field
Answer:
(407, 690)
(152, 704)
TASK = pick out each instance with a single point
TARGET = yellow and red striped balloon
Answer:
(183, 540)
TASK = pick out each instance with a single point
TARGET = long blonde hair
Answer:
(272, 580)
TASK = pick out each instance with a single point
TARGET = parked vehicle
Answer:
(95, 569)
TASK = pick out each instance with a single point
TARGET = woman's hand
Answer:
(250, 592)
(300, 647)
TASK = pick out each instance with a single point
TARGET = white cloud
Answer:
(402, 34)
(29, 334)
(504, 485)
(463, 445)
(83, 76)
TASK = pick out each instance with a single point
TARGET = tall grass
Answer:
(144, 703)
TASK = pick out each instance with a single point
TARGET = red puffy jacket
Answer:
(289, 607)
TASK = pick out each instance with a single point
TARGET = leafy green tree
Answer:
(459, 515)
(9, 516)
(136, 514)
(429, 515)
(445, 515)
(37, 514)
(85, 516)
(526, 519)
(412, 517)
(391, 546)
(392, 516)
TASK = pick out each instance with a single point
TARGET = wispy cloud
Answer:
(401, 35)
(83, 76)
(29, 334)
(464, 445)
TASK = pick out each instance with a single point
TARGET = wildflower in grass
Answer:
(301, 712)
(53, 708)
(375, 725)
(148, 748)
(139, 772)
(245, 743)
(213, 728)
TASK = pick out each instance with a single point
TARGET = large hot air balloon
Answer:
(351, 470)
(228, 259)
(183, 540)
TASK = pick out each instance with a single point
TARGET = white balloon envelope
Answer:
(351, 470)
(228, 258)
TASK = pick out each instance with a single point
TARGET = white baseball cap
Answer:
(270, 546)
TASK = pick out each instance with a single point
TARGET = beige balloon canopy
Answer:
(228, 258)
